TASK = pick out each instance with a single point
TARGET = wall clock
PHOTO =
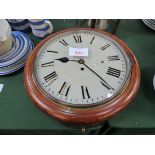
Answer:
(82, 75)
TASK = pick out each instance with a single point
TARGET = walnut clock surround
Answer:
(82, 89)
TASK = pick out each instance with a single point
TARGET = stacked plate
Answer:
(15, 58)
(150, 23)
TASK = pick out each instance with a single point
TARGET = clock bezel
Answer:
(96, 114)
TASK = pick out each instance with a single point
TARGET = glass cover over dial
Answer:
(82, 80)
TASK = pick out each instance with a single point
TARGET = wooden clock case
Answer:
(93, 115)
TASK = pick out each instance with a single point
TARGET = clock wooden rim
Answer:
(96, 114)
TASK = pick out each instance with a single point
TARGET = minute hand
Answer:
(105, 83)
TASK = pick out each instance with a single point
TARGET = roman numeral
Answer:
(52, 51)
(92, 40)
(65, 89)
(77, 39)
(104, 47)
(85, 93)
(48, 64)
(51, 77)
(113, 58)
(114, 72)
(63, 42)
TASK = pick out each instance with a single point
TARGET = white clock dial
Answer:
(82, 80)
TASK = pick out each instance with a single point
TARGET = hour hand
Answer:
(65, 59)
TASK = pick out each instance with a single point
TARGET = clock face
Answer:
(79, 80)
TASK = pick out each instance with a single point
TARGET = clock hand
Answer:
(65, 59)
(105, 83)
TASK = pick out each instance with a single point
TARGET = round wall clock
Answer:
(82, 75)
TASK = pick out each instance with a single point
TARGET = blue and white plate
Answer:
(16, 57)
(150, 23)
